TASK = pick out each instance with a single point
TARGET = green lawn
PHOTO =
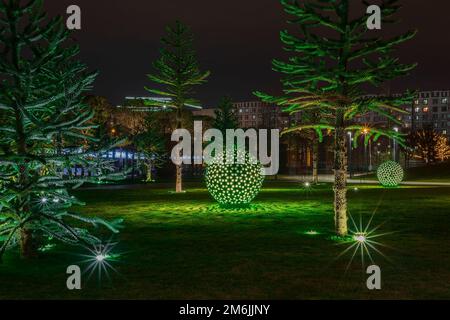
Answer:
(435, 173)
(186, 247)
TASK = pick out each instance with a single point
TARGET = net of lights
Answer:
(234, 185)
(390, 174)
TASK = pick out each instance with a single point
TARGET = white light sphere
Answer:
(234, 185)
(390, 174)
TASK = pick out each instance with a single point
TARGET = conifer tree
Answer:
(44, 123)
(332, 58)
(225, 116)
(178, 72)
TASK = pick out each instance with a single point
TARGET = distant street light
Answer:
(395, 147)
(350, 140)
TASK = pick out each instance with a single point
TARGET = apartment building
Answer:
(261, 115)
(431, 109)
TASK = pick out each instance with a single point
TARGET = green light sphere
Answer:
(390, 174)
(234, 185)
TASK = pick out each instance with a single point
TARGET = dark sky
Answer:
(235, 40)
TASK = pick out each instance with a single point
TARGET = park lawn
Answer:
(185, 247)
(434, 173)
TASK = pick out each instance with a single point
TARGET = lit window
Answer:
(445, 100)
(426, 109)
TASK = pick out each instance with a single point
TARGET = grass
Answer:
(185, 247)
(435, 173)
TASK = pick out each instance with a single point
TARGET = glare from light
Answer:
(100, 257)
(360, 237)
(363, 241)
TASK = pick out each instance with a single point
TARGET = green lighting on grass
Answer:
(234, 185)
(312, 233)
(390, 174)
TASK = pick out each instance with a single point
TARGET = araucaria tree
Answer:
(333, 56)
(43, 123)
(225, 116)
(177, 71)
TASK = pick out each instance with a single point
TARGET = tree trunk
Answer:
(179, 185)
(340, 182)
(149, 167)
(315, 160)
(27, 246)
(179, 182)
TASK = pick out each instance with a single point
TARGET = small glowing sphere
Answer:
(360, 237)
(307, 184)
(234, 184)
(44, 200)
(390, 174)
(100, 257)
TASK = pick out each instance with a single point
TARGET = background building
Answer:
(432, 110)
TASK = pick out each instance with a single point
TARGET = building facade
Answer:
(261, 115)
(431, 109)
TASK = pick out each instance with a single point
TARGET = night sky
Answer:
(235, 40)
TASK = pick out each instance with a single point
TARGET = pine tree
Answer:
(44, 122)
(178, 72)
(332, 58)
(225, 116)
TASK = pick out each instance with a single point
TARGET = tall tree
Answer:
(225, 116)
(178, 72)
(332, 58)
(44, 121)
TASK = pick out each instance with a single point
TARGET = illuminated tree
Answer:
(178, 72)
(424, 143)
(225, 116)
(442, 148)
(44, 123)
(332, 58)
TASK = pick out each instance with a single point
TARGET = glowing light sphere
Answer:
(100, 257)
(235, 184)
(360, 237)
(390, 174)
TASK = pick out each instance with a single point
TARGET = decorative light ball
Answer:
(234, 184)
(390, 174)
